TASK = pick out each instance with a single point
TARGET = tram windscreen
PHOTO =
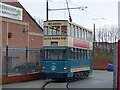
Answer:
(54, 54)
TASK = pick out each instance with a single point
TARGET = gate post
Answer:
(118, 65)
(6, 61)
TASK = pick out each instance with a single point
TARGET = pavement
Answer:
(99, 79)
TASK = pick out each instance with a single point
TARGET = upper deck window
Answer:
(78, 32)
(45, 30)
(69, 30)
(89, 36)
(75, 31)
(72, 31)
(53, 30)
(63, 30)
(85, 34)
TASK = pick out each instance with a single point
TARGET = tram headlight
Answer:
(53, 68)
(43, 68)
(65, 68)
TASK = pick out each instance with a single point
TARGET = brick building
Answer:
(19, 31)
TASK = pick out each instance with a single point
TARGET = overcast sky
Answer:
(96, 9)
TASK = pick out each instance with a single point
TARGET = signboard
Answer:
(10, 11)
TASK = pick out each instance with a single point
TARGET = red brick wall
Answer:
(101, 65)
(19, 38)
(20, 78)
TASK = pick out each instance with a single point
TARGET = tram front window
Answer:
(54, 54)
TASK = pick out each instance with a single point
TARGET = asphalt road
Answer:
(99, 79)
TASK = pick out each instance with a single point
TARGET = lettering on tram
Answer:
(67, 49)
(54, 38)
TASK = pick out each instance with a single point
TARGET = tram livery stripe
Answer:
(79, 69)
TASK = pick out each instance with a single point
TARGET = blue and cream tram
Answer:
(67, 50)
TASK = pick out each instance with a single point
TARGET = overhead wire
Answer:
(110, 21)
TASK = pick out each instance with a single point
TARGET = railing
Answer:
(20, 60)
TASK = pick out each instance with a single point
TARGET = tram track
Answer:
(48, 82)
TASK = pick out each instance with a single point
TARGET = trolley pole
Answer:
(47, 10)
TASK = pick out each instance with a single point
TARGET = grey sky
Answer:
(97, 9)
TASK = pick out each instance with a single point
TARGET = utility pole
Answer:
(94, 32)
(47, 10)
(93, 36)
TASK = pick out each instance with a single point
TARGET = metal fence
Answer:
(20, 60)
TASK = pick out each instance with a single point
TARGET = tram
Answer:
(67, 49)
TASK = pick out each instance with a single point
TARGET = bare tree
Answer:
(107, 34)
(39, 21)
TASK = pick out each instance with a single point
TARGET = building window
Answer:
(9, 35)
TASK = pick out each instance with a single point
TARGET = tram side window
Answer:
(50, 31)
(72, 31)
(54, 31)
(69, 53)
(83, 34)
(63, 30)
(55, 54)
(46, 54)
(75, 31)
(84, 54)
(69, 30)
(81, 54)
(72, 53)
(87, 36)
(91, 37)
(78, 54)
(45, 30)
(80, 33)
